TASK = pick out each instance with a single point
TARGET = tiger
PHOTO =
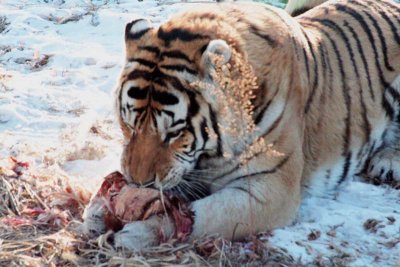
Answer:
(327, 100)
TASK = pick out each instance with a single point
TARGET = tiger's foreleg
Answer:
(247, 207)
(244, 207)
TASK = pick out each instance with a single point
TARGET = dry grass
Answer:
(40, 212)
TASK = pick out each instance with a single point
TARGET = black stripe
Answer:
(383, 41)
(337, 29)
(300, 11)
(180, 121)
(258, 32)
(385, 104)
(247, 192)
(275, 123)
(134, 22)
(190, 128)
(168, 113)
(137, 92)
(138, 110)
(364, 114)
(345, 91)
(136, 35)
(119, 101)
(203, 48)
(395, 7)
(363, 58)
(144, 62)
(135, 122)
(346, 168)
(315, 83)
(141, 74)
(193, 105)
(393, 92)
(364, 25)
(128, 27)
(193, 153)
(142, 118)
(267, 171)
(171, 135)
(307, 64)
(178, 34)
(260, 115)
(332, 25)
(153, 116)
(396, 17)
(393, 28)
(203, 131)
(157, 77)
(324, 66)
(347, 98)
(264, 109)
(214, 125)
(179, 67)
(235, 168)
(152, 49)
(164, 98)
(176, 54)
(176, 83)
(398, 117)
(390, 110)
(368, 160)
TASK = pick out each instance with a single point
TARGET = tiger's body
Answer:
(328, 100)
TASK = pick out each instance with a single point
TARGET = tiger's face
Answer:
(168, 125)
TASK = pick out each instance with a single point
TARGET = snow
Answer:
(61, 112)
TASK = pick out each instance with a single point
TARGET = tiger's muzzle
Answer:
(146, 158)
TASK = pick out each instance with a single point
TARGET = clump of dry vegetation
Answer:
(235, 88)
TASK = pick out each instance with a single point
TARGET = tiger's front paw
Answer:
(136, 236)
(385, 165)
(93, 219)
(141, 234)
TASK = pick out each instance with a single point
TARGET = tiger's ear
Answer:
(136, 29)
(136, 35)
(216, 48)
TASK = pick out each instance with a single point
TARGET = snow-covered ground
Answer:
(59, 60)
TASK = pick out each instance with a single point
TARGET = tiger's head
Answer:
(173, 128)
(167, 124)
